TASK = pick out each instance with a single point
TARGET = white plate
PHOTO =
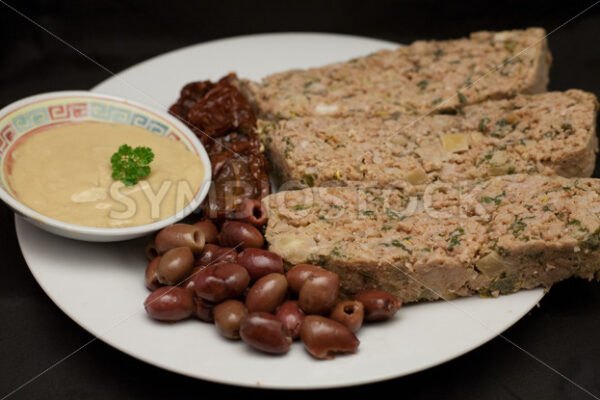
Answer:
(100, 286)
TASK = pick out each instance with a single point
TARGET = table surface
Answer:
(555, 349)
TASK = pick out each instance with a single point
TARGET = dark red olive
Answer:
(349, 313)
(298, 274)
(150, 249)
(208, 229)
(379, 305)
(265, 332)
(292, 317)
(228, 316)
(319, 293)
(226, 254)
(175, 265)
(253, 212)
(267, 293)
(260, 262)
(169, 303)
(207, 256)
(180, 235)
(204, 309)
(222, 281)
(152, 282)
(323, 337)
(239, 234)
(188, 283)
(213, 254)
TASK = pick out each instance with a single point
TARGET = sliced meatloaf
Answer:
(549, 133)
(423, 77)
(487, 238)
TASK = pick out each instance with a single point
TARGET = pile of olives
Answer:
(226, 278)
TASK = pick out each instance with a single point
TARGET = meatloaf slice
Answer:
(414, 79)
(549, 133)
(488, 238)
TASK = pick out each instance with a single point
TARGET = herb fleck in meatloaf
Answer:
(549, 133)
(412, 79)
(498, 236)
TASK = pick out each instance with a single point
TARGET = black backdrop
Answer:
(34, 333)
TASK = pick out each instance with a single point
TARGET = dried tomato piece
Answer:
(190, 94)
(195, 91)
(223, 119)
(223, 109)
(179, 111)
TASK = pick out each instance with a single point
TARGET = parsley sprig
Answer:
(129, 165)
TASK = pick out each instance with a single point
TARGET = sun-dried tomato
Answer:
(223, 119)
(223, 109)
(190, 94)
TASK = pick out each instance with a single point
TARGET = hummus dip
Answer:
(64, 172)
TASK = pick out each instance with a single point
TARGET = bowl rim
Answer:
(123, 233)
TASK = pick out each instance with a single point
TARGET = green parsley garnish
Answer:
(518, 226)
(482, 122)
(300, 207)
(392, 214)
(309, 179)
(129, 165)
(496, 200)
(510, 45)
(454, 238)
(502, 252)
(592, 242)
(397, 243)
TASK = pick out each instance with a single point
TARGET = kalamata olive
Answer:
(152, 282)
(213, 254)
(265, 332)
(226, 254)
(323, 337)
(188, 283)
(222, 281)
(253, 212)
(260, 262)
(379, 305)
(150, 249)
(170, 303)
(349, 313)
(267, 293)
(180, 235)
(207, 256)
(292, 317)
(319, 293)
(175, 265)
(228, 316)
(204, 309)
(209, 230)
(235, 234)
(298, 274)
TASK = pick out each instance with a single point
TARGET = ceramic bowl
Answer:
(39, 112)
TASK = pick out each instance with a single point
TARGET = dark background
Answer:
(564, 331)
